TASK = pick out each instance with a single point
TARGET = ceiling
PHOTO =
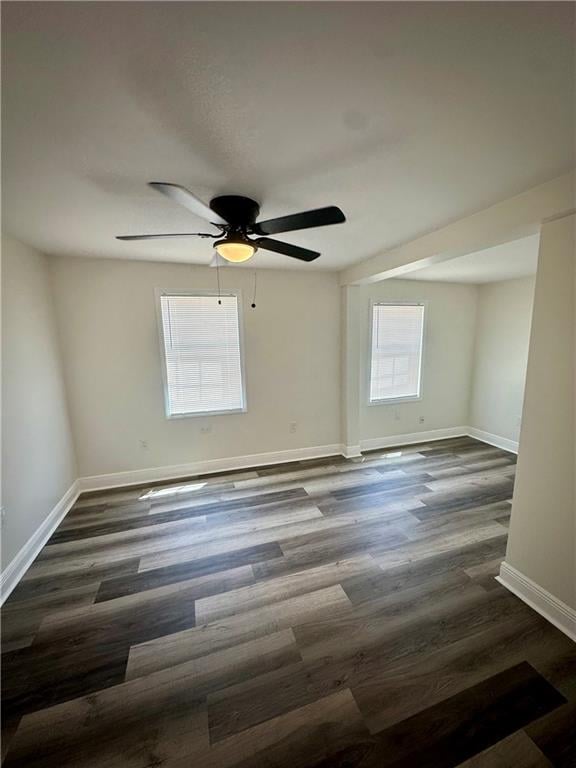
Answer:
(406, 115)
(518, 258)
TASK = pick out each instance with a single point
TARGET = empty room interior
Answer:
(288, 385)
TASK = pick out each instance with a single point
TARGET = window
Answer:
(396, 351)
(202, 354)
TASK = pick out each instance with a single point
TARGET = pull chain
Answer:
(253, 305)
(218, 279)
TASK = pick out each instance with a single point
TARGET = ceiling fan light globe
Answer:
(235, 251)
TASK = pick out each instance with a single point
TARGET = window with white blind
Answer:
(202, 348)
(396, 352)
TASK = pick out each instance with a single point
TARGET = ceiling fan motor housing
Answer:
(240, 212)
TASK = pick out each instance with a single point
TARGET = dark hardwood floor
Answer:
(323, 613)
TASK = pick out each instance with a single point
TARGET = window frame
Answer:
(159, 293)
(405, 398)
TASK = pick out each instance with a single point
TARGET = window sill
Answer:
(396, 400)
(196, 414)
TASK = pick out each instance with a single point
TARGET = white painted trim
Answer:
(16, 569)
(551, 608)
(160, 293)
(423, 343)
(488, 437)
(413, 437)
(230, 464)
(154, 474)
(439, 434)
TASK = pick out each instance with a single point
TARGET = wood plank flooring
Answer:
(324, 613)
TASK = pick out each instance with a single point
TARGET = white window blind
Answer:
(396, 356)
(202, 354)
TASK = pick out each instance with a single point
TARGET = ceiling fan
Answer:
(235, 216)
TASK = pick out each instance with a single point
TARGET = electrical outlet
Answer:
(2, 516)
(144, 445)
(293, 426)
(206, 429)
(420, 419)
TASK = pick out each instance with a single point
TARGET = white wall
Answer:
(501, 354)
(541, 544)
(111, 348)
(38, 462)
(447, 358)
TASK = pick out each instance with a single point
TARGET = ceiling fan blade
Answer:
(184, 197)
(160, 237)
(320, 217)
(287, 249)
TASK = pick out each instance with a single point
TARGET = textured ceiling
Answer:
(406, 115)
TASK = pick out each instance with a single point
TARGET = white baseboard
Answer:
(551, 608)
(16, 569)
(154, 474)
(499, 442)
(413, 437)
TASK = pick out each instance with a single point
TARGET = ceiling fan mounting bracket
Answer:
(240, 212)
